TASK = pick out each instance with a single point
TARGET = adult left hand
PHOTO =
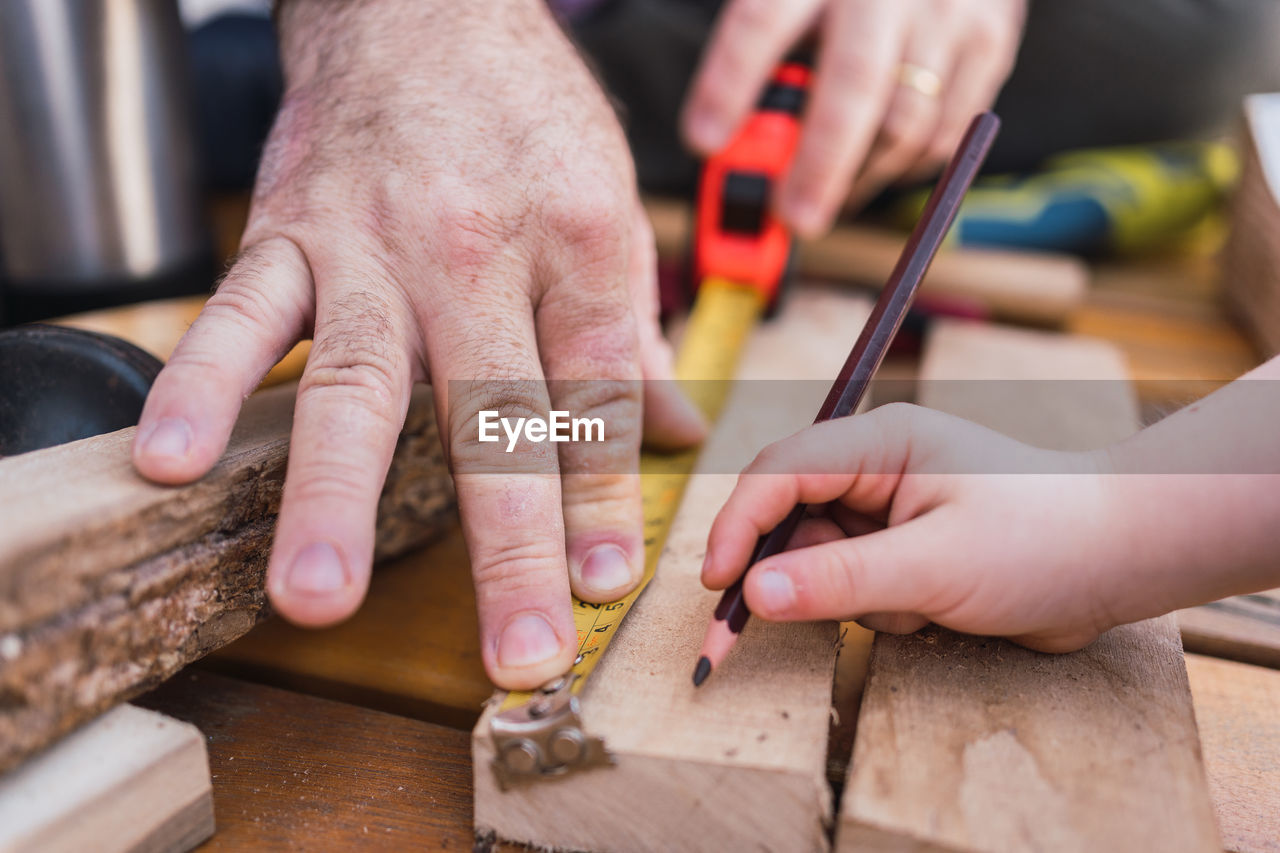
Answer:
(896, 84)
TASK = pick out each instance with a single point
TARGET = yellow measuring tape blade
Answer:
(723, 315)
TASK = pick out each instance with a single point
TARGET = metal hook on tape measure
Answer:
(544, 737)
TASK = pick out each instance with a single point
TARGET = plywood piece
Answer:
(131, 780)
(976, 744)
(740, 762)
(1244, 628)
(293, 772)
(1252, 255)
(108, 583)
(1038, 287)
(1236, 707)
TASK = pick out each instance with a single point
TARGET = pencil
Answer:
(851, 385)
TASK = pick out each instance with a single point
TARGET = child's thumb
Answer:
(888, 571)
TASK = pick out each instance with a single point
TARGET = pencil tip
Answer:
(701, 671)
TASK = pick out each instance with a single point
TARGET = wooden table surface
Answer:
(359, 733)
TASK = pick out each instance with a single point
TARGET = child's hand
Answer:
(984, 534)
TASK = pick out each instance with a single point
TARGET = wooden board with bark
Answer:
(111, 583)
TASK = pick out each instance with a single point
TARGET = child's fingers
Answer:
(858, 460)
(884, 572)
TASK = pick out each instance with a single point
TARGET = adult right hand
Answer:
(445, 194)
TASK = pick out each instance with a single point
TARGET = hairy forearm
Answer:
(334, 36)
(1198, 500)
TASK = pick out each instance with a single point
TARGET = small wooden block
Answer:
(976, 744)
(740, 762)
(131, 780)
(1244, 628)
(1236, 709)
(296, 772)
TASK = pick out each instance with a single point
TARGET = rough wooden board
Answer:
(1236, 708)
(739, 763)
(1039, 287)
(1244, 628)
(131, 780)
(109, 583)
(292, 772)
(970, 743)
(412, 649)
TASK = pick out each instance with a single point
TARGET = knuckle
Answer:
(592, 218)
(469, 240)
(518, 568)
(336, 480)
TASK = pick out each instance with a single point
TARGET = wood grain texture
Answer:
(1244, 628)
(131, 780)
(1236, 708)
(1037, 287)
(740, 762)
(976, 744)
(111, 583)
(293, 772)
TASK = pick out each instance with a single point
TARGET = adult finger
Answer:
(861, 43)
(914, 109)
(589, 344)
(260, 309)
(749, 39)
(351, 404)
(980, 70)
(671, 420)
(484, 357)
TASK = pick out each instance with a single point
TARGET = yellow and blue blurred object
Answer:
(1095, 201)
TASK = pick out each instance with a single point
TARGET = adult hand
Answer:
(897, 82)
(446, 193)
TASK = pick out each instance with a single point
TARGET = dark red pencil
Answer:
(850, 386)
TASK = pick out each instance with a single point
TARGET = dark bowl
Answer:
(59, 385)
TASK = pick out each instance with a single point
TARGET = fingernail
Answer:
(606, 568)
(316, 570)
(706, 564)
(528, 639)
(706, 132)
(777, 593)
(170, 437)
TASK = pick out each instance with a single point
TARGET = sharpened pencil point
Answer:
(701, 671)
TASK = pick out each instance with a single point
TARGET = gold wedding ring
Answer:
(924, 81)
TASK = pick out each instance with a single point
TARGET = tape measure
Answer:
(741, 253)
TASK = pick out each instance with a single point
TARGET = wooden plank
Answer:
(131, 780)
(1240, 734)
(413, 648)
(976, 744)
(1036, 287)
(1244, 628)
(111, 583)
(1252, 255)
(296, 772)
(740, 763)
